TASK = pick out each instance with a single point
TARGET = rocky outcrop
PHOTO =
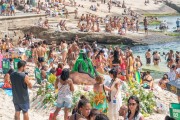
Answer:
(173, 5)
(52, 35)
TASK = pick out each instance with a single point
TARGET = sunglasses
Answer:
(131, 104)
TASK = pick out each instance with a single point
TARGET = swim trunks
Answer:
(23, 107)
(40, 59)
(148, 60)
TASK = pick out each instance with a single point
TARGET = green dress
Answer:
(84, 65)
(100, 102)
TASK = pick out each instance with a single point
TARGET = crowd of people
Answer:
(7, 8)
(91, 23)
(120, 65)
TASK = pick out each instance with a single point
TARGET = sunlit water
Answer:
(163, 47)
(171, 22)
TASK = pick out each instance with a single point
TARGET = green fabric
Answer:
(16, 60)
(87, 65)
(28, 53)
(5, 66)
(38, 75)
(103, 107)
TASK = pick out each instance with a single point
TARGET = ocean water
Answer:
(163, 47)
(171, 22)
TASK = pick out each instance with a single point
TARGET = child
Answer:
(52, 76)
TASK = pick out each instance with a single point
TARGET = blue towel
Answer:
(8, 92)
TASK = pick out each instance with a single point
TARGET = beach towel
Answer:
(138, 77)
(8, 92)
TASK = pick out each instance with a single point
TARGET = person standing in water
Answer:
(178, 24)
(148, 57)
(156, 58)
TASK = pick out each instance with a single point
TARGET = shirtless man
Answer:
(148, 57)
(41, 53)
(169, 55)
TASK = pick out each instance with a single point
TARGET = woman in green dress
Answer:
(99, 101)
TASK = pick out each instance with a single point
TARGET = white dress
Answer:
(115, 104)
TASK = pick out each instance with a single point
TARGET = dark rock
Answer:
(51, 35)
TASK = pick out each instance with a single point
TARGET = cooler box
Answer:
(175, 110)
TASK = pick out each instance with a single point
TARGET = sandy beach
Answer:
(7, 109)
(162, 96)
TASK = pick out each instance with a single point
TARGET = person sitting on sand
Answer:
(148, 81)
(93, 8)
(40, 22)
(162, 83)
(44, 70)
(82, 28)
(46, 24)
(82, 17)
(108, 28)
(121, 31)
(52, 77)
(7, 82)
(62, 24)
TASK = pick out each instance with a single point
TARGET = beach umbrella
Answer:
(174, 86)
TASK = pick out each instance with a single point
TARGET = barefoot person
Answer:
(20, 84)
(41, 53)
